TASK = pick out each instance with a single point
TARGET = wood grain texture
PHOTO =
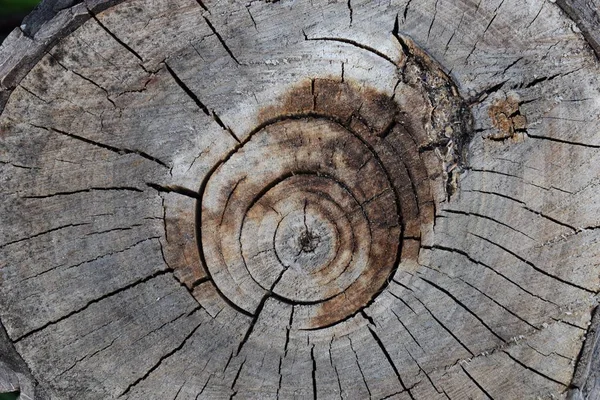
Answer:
(325, 199)
(585, 15)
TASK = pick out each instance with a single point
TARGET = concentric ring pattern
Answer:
(292, 199)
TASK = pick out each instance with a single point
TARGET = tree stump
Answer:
(290, 199)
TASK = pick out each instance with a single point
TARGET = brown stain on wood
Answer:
(360, 293)
(180, 248)
(340, 101)
(377, 119)
(506, 117)
(401, 141)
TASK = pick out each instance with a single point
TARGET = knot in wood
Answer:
(308, 241)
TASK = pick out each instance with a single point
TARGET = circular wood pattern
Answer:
(311, 209)
(325, 199)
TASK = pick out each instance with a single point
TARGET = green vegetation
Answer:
(16, 6)
(9, 396)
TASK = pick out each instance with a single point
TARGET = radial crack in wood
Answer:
(281, 199)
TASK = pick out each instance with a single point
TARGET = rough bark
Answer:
(354, 199)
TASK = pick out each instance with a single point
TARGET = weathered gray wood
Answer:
(325, 199)
(585, 15)
(585, 383)
(15, 376)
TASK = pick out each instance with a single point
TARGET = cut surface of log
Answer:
(324, 199)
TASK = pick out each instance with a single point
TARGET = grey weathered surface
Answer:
(323, 199)
(586, 379)
(15, 376)
(585, 14)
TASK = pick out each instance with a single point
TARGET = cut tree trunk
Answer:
(326, 199)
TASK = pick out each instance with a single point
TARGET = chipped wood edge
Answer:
(43, 28)
(585, 384)
(587, 19)
(586, 380)
(15, 372)
(20, 51)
